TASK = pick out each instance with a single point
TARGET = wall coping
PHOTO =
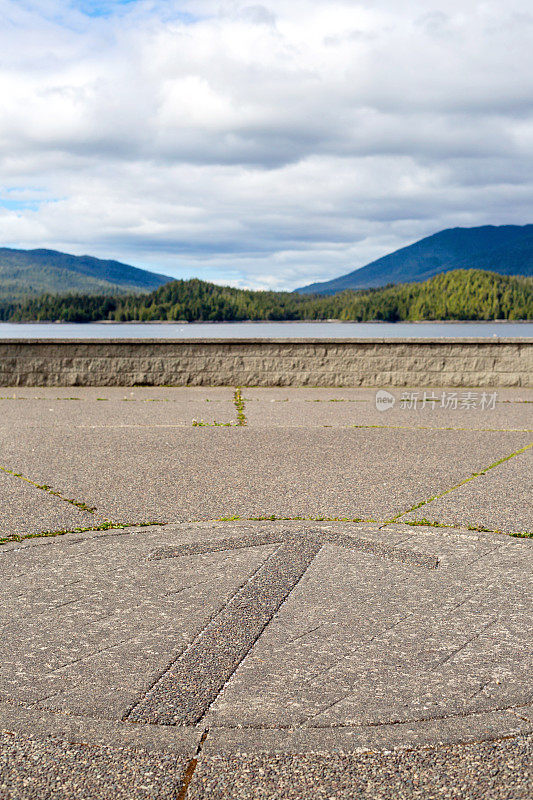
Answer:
(492, 340)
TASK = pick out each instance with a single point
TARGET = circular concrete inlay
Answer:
(275, 636)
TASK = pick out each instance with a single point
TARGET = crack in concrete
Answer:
(350, 655)
(427, 428)
(485, 555)
(478, 691)
(304, 634)
(461, 483)
(94, 653)
(331, 705)
(465, 644)
(238, 402)
(516, 714)
(106, 526)
(191, 767)
(184, 588)
(423, 523)
(48, 489)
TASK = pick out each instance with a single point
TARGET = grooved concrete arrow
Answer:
(184, 692)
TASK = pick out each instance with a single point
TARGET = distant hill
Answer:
(506, 249)
(26, 273)
(470, 294)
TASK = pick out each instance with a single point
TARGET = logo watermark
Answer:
(421, 399)
(384, 400)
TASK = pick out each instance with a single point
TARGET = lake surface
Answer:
(266, 330)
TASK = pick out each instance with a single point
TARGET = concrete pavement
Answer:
(326, 603)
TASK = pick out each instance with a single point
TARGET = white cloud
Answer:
(266, 144)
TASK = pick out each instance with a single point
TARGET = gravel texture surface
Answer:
(55, 769)
(500, 770)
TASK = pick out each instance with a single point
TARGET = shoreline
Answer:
(279, 322)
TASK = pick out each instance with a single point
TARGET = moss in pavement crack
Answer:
(422, 523)
(472, 477)
(45, 488)
(274, 518)
(105, 526)
(238, 401)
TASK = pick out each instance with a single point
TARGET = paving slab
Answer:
(237, 626)
(337, 413)
(225, 393)
(501, 499)
(43, 724)
(174, 474)
(479, 727)
(354, 394)
(516, 394)
(113, 413)
(285, 394)
(25, 509)
(264, 408)
(368, 394)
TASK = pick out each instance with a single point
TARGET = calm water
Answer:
(267, 330)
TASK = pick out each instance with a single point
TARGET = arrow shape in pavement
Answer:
(185, 691)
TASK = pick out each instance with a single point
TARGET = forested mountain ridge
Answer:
(506, 249)
(456, 295)
(33, 272)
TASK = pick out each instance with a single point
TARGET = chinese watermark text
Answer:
(423, 399)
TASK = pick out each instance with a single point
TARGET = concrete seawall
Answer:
(267, 362)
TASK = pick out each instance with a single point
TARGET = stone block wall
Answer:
(267, 362)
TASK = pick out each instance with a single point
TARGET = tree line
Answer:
(457, 295)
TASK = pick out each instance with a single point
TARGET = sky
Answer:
(262, 145)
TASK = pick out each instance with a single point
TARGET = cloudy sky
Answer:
(264, 144)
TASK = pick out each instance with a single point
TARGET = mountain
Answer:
(506, 249)
(26, 273)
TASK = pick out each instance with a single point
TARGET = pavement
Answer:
(265, 593)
